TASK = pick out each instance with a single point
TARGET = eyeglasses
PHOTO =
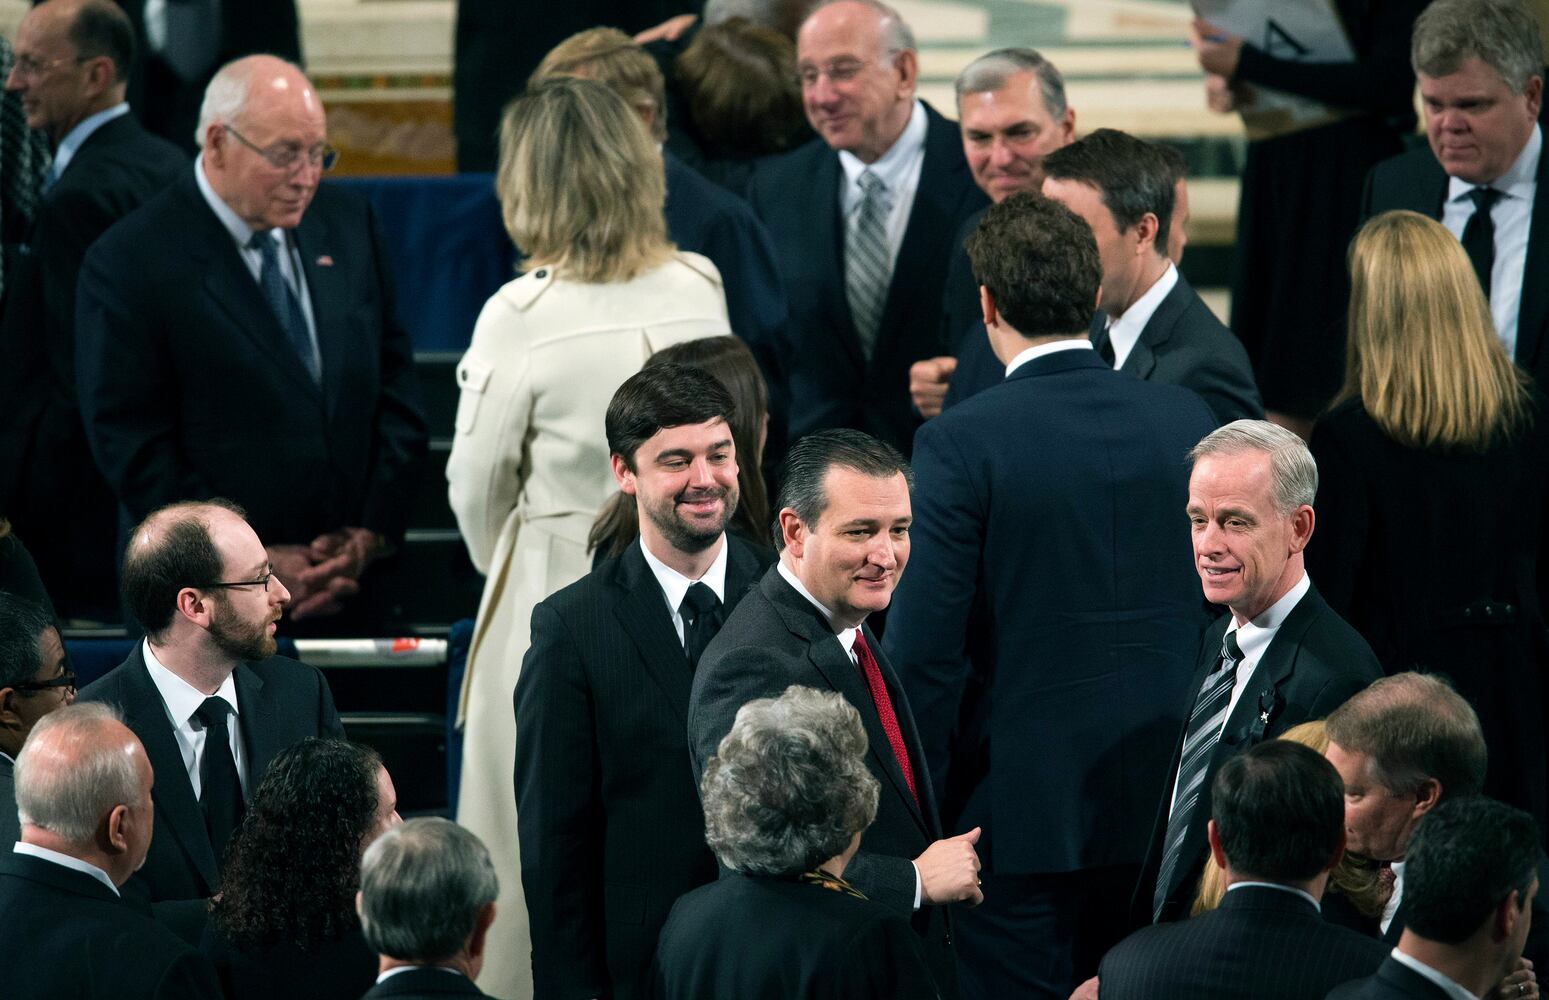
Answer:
(64, 680)
(285, 156)
(262, 581)
(32, 68)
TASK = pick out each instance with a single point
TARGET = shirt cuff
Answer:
(919, 886)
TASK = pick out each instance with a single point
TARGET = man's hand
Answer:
(1220, 95)
(1521, 984)
(928, 381)
(669, 30)
(293, 565)
(1217, 50)
(1086, 991)
(346, 552)
(949, 870)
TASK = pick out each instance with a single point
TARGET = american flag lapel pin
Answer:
(325, 261)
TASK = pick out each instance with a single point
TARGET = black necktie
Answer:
(220, 790)
(1205, 722)
(701, 611)
(1105, 349)
(283, 302)
(1479, 235)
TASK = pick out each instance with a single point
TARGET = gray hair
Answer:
(788, 786)
(1500, 33)
(1413, 727)
(225, 98)
(897, 36)
(422, 885)
(992, 70)
(776, 15)
(1293, 474)
(67, 779)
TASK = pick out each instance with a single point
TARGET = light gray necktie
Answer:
(867, 263)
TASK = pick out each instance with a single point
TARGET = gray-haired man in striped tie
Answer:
(1281, 657)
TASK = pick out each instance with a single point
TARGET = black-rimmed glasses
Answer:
(64, 680)
(285, 156)
(262, 581)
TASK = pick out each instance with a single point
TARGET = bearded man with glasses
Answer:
(246, 284)
(205, 692)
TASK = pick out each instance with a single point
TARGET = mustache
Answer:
(695, 496)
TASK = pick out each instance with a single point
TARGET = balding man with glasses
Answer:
(236, 336)
(205, 692)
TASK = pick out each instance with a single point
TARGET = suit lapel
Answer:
(1262, 694)
(1158, 330)
(258, 725)
(643, 613)
(313, 245)
(146, 714)
(1533, 311)
(830, 215)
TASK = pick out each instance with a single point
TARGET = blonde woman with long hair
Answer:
(1432, 461)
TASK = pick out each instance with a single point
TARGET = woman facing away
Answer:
(581, 191)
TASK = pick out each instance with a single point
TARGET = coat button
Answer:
(541, 273)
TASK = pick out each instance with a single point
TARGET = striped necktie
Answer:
(1205, 722)
(867, 262)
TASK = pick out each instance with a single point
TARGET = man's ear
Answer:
(113, 830)
(9, 719)
(1145, 234)
(987, 308)
(622, 474)
(793, 532)
(1302, 522)
(1216, 851)
(908, 66)
(1427, 797)
(194, 606)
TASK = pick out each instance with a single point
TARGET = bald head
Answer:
(263, 135)
(858, 72)
(83, 788)
(72, 61)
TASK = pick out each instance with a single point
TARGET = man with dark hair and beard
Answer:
(610, 827)
(205, 692)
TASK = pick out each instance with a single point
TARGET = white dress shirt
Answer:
(241, 233)
(1276, 885)
(66, 861)
(846, 637)
(1513, 216)
(78, 135)
(899, 171)
(1255, 635)
(1050, 347)
(1124, 332)
(395, 970)
(675, 585)
(1448, 986)
(181, 700)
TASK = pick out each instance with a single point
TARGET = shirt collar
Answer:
(82, 131)
(239, 230)
(182, 698)
(1049, 347)
(395, 970)
(1255, 634)
(66, 861)
(1448, 986)
(675, 585)
(1276, 885)
(1518, 182)
(891, 166)
(1124, 331)
(846, 636)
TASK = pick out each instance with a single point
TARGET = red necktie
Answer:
(872, 671)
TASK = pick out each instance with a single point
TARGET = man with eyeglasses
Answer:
(71, 72)
(862, 223)
(205, 692)
(237, 337)
(35, 679)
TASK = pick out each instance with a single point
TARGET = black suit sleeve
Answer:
(559, 819)
(328, 724)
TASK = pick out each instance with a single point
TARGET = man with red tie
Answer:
(843, 536)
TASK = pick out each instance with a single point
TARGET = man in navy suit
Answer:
(236, 337)
(1047, 629)
(862, 223)
(1474, 874)
(1277, 830)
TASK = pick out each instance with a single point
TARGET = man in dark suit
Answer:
(205, 692)
(862, 223)
(611, 830)
(1277, 830)
(426, 902)
(1403, 746)
(1281, 657)
(1481, 70)
(232, 340)
(71, 74)
(84, 786)
(35, 679)
(1048, 555)
(1475, 874)
(843, 536)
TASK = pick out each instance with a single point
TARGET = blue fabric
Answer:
(458, 639)
(448, 250)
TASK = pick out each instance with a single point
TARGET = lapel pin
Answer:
(325, 261)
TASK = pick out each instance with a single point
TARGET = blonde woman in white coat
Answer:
(581, 190)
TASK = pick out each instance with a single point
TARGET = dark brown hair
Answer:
(740, 82)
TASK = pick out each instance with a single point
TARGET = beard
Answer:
(686, 536)
(239, 639)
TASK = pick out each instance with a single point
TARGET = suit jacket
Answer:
(1314, 664)
(610, 827)
(280, 702)
(1535, 948)
(1416, 181)
(10, 826)
(189, 387)
(68, 935)
(1391, 981)
(831, 384)
(333, 969)
(424, 984)
(1184, 344)
(1047, 623)
(777, 638)
(758, 938)
(1270, 944)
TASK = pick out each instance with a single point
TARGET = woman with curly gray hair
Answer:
(786, 798)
